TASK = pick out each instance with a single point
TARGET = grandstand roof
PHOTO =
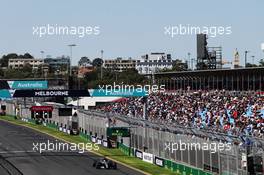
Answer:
(248, 69)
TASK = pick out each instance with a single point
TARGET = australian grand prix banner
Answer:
(5, 94)
(51, 93)
(43, 93)
(4, 84)
(117, 93)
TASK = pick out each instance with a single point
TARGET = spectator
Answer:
(215, 110)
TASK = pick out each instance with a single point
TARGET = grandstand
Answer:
(240, 79)
(224, 106)
(218, 111)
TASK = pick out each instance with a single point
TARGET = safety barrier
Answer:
(173, 166)
(152, 139)
(85, 136)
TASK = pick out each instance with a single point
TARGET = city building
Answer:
(236, 60)
(84, 61)
(120, 64)
(207, 57)
(83, 69)
(58, 64)
(154, 62)
(84, 66)
(18, 63)
(239, 79)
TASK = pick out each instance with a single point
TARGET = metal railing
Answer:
(153, 137)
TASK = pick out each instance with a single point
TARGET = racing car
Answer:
(104, 163)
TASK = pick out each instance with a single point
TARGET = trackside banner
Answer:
(117, 93)
(138, 154)
(105, 143)
(51, 93)
(159, 161)
(99, 141)
(43, 93)
(147, 157)
(93, 139)
(42, 108)
(23, 84)
(5, 94)
(28, 84)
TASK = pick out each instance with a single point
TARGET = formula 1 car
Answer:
(104, 163)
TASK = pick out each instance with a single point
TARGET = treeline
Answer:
(5, 58)
(108, 77)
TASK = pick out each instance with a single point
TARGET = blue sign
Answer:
(117, 93)
(28, 84)
(5, 94)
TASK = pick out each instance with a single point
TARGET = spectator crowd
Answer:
(214, 110)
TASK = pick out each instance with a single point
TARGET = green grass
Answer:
(115, 154)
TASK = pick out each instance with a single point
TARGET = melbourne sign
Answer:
(51, 93)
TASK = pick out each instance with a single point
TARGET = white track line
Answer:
(10, 152)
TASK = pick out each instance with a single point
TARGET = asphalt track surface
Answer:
(17, 156)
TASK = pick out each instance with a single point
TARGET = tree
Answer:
(27, 55)
(251, 65)
(261, 63)
(97, 62)
(84, 61)
(91, 76)
(27, 68)
(201, 66)
(2, 73)
(178, 65)
(5, 58)
(129, 77)
(24, 72)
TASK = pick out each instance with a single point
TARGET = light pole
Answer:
(192, 60)
(70, 45)
(102, 54)
(189, 59)
(253, 59)
(42, 54)
(42, 57)
(246, 52)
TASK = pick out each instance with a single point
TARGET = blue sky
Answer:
(130, 28)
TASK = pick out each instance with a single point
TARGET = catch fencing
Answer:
(162, 141)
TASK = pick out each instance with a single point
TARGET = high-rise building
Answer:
(58, 63)
(207, 57)
(236, 62)
(119, 64)
(154, 62)
(18, 63)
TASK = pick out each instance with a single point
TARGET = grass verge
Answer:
(114, 154)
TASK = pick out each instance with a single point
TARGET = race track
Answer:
(17, 156)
